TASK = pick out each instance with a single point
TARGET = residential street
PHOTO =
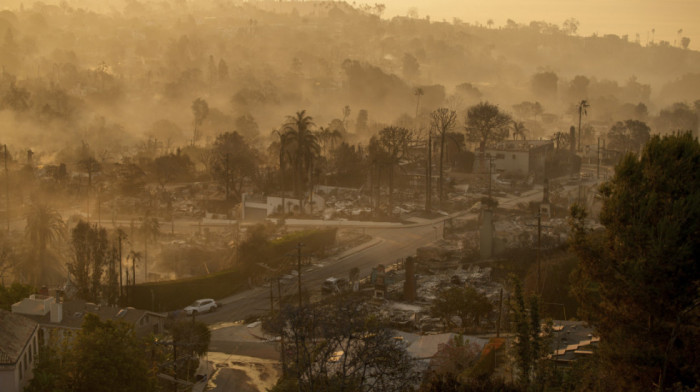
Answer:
(388, 246)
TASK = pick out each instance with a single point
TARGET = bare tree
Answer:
(395, 142)
(561, 139)
(442, 121)
(337, 345)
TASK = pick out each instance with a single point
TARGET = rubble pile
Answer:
(416, 316)
(442, 255)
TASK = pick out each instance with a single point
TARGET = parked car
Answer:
(334, 286)
(201, 306)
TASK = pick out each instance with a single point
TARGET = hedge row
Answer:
(176, 294)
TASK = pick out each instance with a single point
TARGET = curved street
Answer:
(388, 246)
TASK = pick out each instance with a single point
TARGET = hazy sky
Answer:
(595, 16)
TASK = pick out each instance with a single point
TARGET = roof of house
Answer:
(15, 332)
(74, 311)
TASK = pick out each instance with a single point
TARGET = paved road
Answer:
(387, 246)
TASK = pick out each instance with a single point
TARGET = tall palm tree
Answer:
(134, 256)
(328, 138)
(44, 226)
(150, 229)
(282, 150)
(302, 144)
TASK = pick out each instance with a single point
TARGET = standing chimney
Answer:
(409, 286)
(572, 138)
(56, 312)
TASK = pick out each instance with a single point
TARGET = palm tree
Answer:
(303, 146)
(284, 156)
(44, 226)
(134, 256)
(519, 130)
(328, 138)
(150, 228)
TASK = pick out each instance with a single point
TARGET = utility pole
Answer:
(538, 254)
(7, 191)
(490, 176)
(279, 293)
(598, 168)
(428, 174)
(500, 312)
(272, 307)
(606, 171)
(227, 178)
(175, 363)
(299, 245)
(145, 258)
(120, 264)
(491, 159)
(581, 110)
(99, 208)
(284, 358)
(539, 245)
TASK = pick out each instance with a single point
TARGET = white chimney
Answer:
(56, 312)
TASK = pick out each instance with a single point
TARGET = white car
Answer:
(201, 306)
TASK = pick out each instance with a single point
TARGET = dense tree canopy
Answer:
(486, 123)
(638, 279)
(628, 136)
(234, 162)
(104, 356)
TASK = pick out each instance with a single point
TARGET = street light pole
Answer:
(539, 245)
(7, 190)
(598, 166)
(299, 245)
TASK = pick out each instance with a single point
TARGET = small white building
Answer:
(19, 347)
(258, 208)
(517, 157)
